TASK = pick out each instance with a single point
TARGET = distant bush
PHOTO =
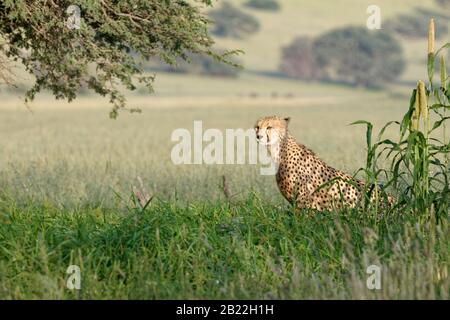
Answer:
(416, 26)
(407, 26)
(229, 21)
(263, 4)
(299, 60)
(443, 3)
(358, 56)
(197, 64)
(350, 55)
(208, 66)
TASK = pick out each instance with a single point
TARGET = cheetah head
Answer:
(270, 130)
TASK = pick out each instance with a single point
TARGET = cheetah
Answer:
(303, 178)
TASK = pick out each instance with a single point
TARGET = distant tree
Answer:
(91, 44)
(299, 60)
(443, 3)
(359, 56)
(415, 26)
(203, 65)
(263, 4)
(228, 21)
(351, 55)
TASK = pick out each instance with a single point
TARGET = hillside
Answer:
(278, 28)
(296, 18)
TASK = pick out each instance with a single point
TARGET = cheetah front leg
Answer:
(302, 193)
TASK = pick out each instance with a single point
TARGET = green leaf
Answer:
(438, 123)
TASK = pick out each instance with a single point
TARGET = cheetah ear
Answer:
(287, 119)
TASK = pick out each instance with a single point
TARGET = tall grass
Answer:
(247, 249)
(418, 169)
(57, 209)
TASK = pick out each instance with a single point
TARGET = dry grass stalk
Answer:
(141, 193)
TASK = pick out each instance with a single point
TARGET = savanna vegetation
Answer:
(350, 55)
(197, 64)
(230, 21)
(271, 5)
(66, 53)
(157, 239)
(77, 188)
(415, 25)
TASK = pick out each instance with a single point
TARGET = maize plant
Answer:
(418, 168)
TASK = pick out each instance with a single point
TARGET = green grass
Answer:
(66, 174)
(210, 250)
(64, 167)
(61, 167)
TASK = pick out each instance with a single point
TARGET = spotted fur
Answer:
(302, 177)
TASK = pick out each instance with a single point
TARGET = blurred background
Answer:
(315, 61)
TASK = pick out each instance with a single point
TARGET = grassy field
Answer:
(66, 180)
(67, 174)
(217, 250)
(77, 155)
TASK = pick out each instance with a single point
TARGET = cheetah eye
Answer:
(268, 128)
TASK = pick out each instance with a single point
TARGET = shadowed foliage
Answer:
(94, 51)
(198, 64)
(415, 26)
(232, 22)
(271, 5)
(350, 55)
